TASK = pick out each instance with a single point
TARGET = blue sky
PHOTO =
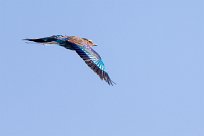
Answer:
(153, 50)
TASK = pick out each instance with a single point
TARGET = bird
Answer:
(83, 47)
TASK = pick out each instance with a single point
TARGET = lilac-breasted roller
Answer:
(83, 48)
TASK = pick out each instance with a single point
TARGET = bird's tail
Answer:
(45, 40)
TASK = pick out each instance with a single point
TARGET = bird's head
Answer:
(89, 42)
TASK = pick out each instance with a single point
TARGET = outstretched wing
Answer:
(93, 60)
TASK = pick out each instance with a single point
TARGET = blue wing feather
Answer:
(93, 60)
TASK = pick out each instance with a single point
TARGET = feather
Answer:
(93, 60)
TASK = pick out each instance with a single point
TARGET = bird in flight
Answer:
(83, 48)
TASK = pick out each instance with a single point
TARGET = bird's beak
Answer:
(95, 45)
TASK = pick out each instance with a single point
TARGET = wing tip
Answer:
(111, 83)
(106, 78)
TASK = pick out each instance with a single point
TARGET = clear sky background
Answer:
(152, 49)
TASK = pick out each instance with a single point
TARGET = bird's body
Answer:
(83, 47)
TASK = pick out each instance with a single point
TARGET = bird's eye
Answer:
(90, 41)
